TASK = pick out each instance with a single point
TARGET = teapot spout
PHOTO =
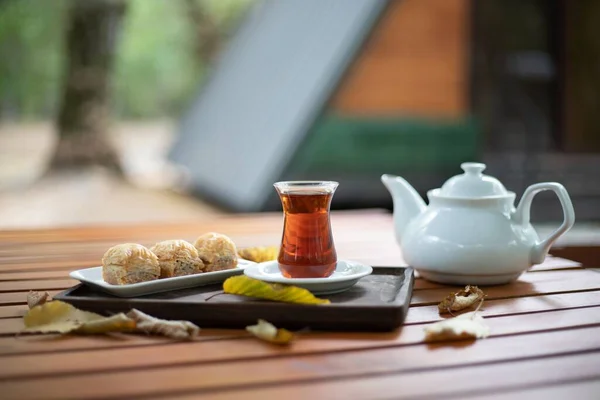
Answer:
(407, 202)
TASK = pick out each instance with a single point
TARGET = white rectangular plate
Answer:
(93, 277)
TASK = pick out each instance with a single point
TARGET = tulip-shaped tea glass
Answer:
(307, 249)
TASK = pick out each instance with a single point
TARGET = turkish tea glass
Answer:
(307, 249)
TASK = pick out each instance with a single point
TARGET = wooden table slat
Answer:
(431, 293)
(252, 224)
(13, 298)
(517, 305)
(202, 352)
(129, 383)
(34, 275)
(560, 388)
(13, 311)
(528, 284)
(416, 315)
(495, 381)
(542, 282)
(43, 284)
(65, 264)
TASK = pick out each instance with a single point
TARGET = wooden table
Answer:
(544, 343)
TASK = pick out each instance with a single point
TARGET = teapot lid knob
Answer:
(473, 168)
(472, 183)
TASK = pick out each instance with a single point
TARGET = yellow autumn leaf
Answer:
(268, 332)
(60, 317)
(259, 254)
(246, 286)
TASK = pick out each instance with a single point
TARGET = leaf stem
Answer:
(216, 294)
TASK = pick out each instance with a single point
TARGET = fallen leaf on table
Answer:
(461, 300)
(465, 326)
(60, 317)
(116, 323)
(259, 254)
(37, 298)
(268, 332)
(171, 329)
(246, 286)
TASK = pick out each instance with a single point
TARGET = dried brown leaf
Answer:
(268, 332)
(37, 298)
(116, 323)
(171, 329)
(461, 300)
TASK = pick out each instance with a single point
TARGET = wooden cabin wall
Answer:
(415, 63)
(582, 78)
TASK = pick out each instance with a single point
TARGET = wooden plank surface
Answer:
(203, 352)
(545, 330)
(269, 370)
(479, 381)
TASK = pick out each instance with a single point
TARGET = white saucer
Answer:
(93, 277)
(346, 274)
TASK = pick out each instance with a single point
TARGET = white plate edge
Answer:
(315, 281)
(77, 275)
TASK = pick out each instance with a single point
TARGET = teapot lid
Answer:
(472, 183)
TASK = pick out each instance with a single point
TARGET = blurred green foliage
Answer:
(31, 62)
(156, 71)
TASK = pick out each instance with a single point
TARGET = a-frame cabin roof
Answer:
(266, 91)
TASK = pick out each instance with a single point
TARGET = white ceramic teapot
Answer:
(471, 232)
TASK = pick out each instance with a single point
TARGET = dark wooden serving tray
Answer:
(378, 302)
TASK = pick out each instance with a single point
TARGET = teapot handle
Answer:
(541, 248)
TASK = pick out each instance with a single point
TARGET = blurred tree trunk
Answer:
(84, 116)
(208, 37)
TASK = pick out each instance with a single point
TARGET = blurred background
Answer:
(153, 110)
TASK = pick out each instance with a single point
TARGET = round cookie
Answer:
(129, 263)
(217, 251)
(177, 258)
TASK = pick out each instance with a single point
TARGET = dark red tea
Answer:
(307, 249)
